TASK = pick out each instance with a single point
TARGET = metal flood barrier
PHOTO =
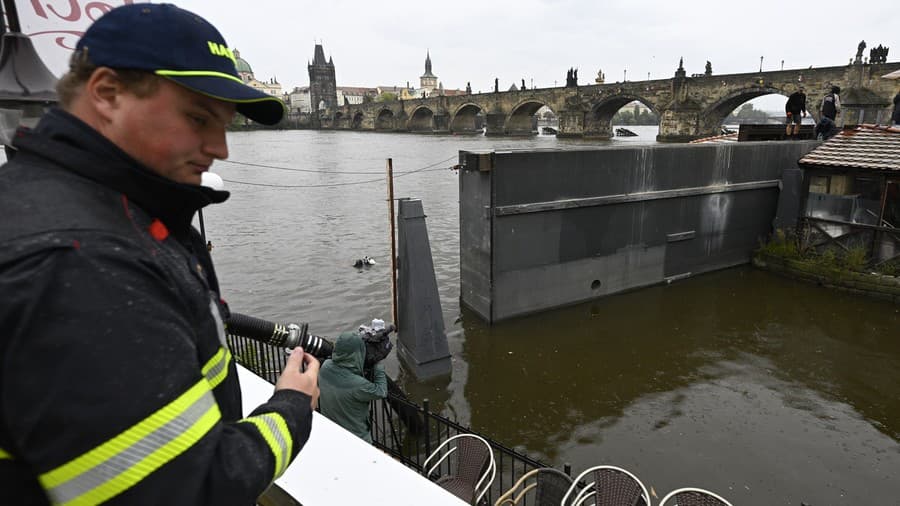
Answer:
(408, 442)
(545, 229)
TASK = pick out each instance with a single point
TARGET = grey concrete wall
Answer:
(544, 229)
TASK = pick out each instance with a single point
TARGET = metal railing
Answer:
(401, 428)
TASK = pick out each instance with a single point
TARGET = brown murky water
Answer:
(764, 390)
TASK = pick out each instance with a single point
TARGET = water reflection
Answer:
(731, 376)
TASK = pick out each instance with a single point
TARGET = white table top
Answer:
(336, 467)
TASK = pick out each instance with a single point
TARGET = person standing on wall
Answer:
(795, 110)
(831, 107)
(116, 381)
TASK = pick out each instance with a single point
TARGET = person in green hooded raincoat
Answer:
(345, 393)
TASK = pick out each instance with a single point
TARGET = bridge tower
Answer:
(428, 81)
(322, 84)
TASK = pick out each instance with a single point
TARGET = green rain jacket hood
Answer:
(344, 392)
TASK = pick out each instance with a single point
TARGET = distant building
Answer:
(322, 83)
(428, 81)
(299, 102)
(270, 87)
(429, 86)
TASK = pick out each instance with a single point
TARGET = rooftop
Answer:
(867, 147)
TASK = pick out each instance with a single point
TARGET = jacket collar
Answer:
(69, 142)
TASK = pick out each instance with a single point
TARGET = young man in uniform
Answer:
(795, 110)
(116, 383)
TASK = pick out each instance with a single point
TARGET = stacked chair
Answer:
(472, 467)
(545, 485)
(606, 486)
(692, 497)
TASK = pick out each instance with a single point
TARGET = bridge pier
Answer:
(494, 123)
(600, 130)
(571, 124)
(683, 125)
(441, 123)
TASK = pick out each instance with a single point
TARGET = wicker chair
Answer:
(549, 486)
(607, 486)
(692, 497)
(474, 471)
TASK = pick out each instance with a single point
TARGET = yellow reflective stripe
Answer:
(216, 369)
(197, 73)
(121, 462)
(5, 455)
(275, 431)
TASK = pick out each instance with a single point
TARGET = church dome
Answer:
(241, 64)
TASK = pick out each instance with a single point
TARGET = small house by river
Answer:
(852, 193)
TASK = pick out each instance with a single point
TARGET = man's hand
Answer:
(306, 381)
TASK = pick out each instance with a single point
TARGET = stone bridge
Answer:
(688, 107)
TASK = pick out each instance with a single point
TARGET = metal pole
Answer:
(12, 15)
(390, 187)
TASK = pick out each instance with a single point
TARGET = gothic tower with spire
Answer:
(322, 84)
(428, 81)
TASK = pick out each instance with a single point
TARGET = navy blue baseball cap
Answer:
(180, 46)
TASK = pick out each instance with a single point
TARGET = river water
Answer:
(762, 389)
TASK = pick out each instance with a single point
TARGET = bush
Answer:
(856, 259)
(782, 244)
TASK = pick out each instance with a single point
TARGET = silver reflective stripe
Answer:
(5, 455)
(220, 326)
(109, 470)
(216, 369)
(282, 443)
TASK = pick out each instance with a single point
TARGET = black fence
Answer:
(403, 429)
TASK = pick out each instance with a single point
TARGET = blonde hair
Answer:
(139, 82)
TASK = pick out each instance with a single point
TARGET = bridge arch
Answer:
(598, 121)
(421, 120)
(466, 119)
(521, 117)
(713, 116)
(357, 120)
(384, 120)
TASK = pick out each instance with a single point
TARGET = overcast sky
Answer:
(384, 43)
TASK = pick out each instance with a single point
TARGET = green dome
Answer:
(241, 64)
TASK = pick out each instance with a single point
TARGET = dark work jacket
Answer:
(115, 380)
(830, 106)
(796, 103)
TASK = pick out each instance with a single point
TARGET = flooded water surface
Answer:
(764, 390)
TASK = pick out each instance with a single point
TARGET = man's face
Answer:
(175, 132)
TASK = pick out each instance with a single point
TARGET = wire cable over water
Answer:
(427, 168)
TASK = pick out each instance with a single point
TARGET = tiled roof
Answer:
(865, 147)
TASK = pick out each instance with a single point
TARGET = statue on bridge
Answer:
(523, 88)
(496, 85)
(708, 69)
(468, 88)
(878, 54)
(859, 51)
(572, 78)
(600, 77)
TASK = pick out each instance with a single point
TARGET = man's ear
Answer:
(103, 90)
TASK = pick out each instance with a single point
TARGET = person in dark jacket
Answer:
(346, 393)
(831, 104)
(795, 110)
(116, 382)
